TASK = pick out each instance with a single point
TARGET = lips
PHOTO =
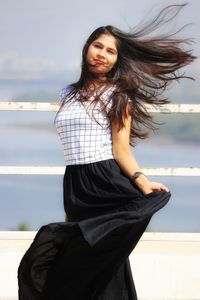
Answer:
(99, 62)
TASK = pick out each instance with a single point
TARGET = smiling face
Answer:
(102, 54)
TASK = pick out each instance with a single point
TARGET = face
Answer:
(102, 54)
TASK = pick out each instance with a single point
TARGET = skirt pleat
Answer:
(87, 257)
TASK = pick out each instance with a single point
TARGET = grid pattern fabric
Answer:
(83, 139)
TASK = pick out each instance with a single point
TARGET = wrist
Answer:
(135, 175)
(142, 182)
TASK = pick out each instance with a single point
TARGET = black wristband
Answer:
(136, 175)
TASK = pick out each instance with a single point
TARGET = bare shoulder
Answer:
(63, 93)
(121, 136)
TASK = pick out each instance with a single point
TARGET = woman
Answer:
(108, 200)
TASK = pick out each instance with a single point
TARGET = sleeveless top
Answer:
(84, 139)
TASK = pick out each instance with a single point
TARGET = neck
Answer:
(97, 82)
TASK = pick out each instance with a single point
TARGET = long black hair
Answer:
(146, 65)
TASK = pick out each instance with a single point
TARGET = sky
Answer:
(43, 38)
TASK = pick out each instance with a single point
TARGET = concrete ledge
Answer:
(165, 266)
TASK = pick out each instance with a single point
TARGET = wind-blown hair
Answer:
(146, 65)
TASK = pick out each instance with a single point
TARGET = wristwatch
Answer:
(136, 175)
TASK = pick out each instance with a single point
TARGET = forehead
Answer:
(107, 40)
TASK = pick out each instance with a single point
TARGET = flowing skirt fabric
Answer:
(87, 258)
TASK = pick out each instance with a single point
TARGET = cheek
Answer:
(113, 61)
(90, 53)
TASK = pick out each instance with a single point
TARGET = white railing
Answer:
(40, 170)
(43, 106)
(58, 170)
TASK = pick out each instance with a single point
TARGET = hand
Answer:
(154, 186)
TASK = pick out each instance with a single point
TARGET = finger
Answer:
(163, 187)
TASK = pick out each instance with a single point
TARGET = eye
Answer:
(111, 52)
(97, 46)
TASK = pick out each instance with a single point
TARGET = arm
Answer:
(126, 160)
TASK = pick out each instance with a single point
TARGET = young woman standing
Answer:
(107, 199)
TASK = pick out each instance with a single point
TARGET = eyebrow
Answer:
(115, 51)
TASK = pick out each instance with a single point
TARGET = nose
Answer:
(101, 53)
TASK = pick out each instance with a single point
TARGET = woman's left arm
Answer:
(126, 160)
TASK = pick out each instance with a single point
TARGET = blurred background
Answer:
(40, 52)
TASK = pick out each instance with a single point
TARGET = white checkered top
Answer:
(83, 139)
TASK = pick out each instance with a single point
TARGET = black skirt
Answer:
(87, 258)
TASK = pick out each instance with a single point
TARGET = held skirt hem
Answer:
(87, 257)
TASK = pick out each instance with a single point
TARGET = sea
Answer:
(30, 139)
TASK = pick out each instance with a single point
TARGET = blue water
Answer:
(38, 200)
(28, 138)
